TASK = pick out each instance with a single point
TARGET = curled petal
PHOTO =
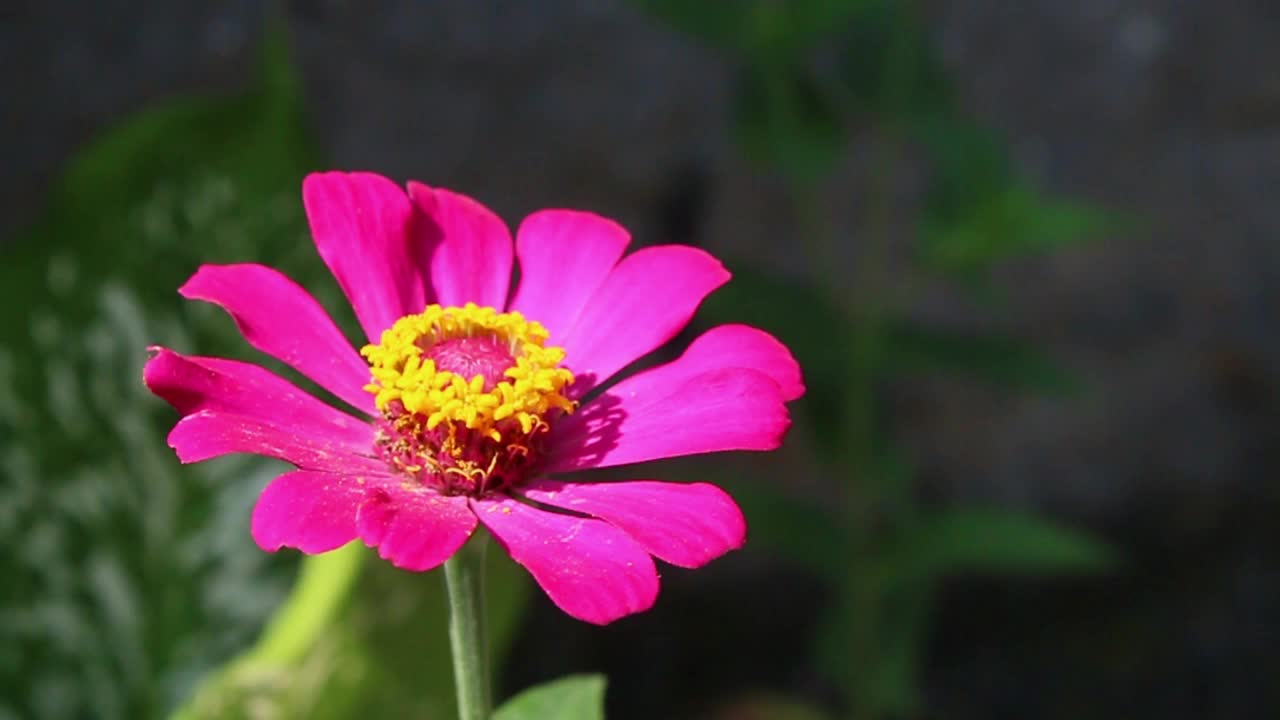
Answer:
(195, 384)
(684, 524)
(279, 318)
(209, 434)
(590, 569)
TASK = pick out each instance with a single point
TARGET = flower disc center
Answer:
(468, 357)
(467, 395)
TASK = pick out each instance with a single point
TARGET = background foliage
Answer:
(133, 583)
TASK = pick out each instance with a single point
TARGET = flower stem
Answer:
(464, 576)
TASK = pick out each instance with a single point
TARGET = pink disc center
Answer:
(471, 356)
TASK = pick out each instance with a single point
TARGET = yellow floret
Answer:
(529, 390)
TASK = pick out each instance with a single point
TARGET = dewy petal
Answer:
(367, 232)
(279, 318)
(665, 412)
(748, 347)
(311, 511)
(209, 434)
(195, 384)
(589, 568)
(414, 528)
(646, 299)
(565, 255)
(472, 261)
(684, 524)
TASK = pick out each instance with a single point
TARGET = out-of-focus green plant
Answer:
(812, 73)
(131, 577)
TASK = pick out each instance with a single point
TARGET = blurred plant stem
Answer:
(863, 300)
(464, 577)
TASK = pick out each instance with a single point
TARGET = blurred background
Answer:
(1025, 252)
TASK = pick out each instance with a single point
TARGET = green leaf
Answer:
(1012, 222)
(137, 573)
(576, 697)
(996, 360)
(990, 540)
(787, 120)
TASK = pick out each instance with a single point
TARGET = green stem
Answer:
(464, 576)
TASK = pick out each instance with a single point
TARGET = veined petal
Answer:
(368, 233)
(195, 384)
(565, 255)
(684, 524)
(665, 412)
(743, 346)
(279, 318)
(645, 300)
(314, 512)
(589, 568)
(209, 434)
(415, 528)
(472, 260)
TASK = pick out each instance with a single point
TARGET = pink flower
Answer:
(471, 400)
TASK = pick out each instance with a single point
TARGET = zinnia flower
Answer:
(472, 401)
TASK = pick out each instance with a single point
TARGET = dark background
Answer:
(1026, 253)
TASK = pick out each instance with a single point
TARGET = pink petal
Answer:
(284, 321)
(195, 384)
(685, 525)
(565, 255)
(646, 299)
(665, 412)
(472, 262)
(590, 569)
(209, 434)
(311, 511)
(747, 347)
(373, 241)
(413, 527)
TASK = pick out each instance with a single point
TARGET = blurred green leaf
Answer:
(996, 360)
(379, 650)
(786, 120)
(1013, 222)
(576, 697)
(991, 540)
(136, 574)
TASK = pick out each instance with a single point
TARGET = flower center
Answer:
(466, 396)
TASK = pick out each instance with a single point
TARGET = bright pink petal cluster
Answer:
(590, 545)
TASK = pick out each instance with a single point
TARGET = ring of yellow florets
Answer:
(464, 434)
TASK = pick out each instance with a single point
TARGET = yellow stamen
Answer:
(530, 388)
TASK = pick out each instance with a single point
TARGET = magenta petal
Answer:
(743, 346)
(472, 262)
(209, 434)
(195, 384)
(684, 524)
(565, 255)
(373, 241)
(415, 529)
(589, 568)
(313, 512)
(665, 412)
(279, 318)
(646, 299)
